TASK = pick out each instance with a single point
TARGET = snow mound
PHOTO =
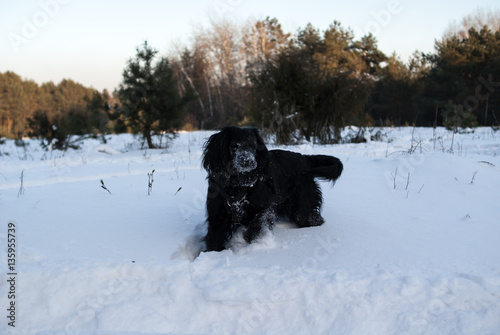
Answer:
(192, 246)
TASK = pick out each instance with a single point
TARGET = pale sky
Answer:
(90, 41)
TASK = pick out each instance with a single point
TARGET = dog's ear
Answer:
(262, 154)
(216, 152)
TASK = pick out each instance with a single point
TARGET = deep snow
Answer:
(411, 243)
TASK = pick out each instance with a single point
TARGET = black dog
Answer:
(249, 186)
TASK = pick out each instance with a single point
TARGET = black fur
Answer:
(249, 186)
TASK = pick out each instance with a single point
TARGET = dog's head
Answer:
(235, 151)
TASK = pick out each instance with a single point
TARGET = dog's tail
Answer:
(325, 167)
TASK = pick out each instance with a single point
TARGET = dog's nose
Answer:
(245, 161)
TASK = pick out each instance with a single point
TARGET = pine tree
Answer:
(392, 95)
(149, 95)
(317, 85)
(466, 71)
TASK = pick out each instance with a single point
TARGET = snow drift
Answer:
(411, 243)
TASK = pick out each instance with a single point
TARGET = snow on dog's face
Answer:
(243, 156)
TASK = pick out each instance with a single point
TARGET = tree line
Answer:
(53, 112)
(313, 83)
(304, 85)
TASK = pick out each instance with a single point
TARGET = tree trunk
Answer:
(147, 135)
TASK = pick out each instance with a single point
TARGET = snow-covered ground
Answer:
(411, 243)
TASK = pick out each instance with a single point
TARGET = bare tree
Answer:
(477, 20)
(263, 40)
(217, 65)
(214, 66)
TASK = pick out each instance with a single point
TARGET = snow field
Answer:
(420, 258)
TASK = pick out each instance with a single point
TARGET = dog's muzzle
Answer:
(244, 161)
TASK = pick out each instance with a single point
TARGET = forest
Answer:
(305, 85)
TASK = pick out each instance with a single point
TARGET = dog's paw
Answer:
(314, 220)
(194, 244)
